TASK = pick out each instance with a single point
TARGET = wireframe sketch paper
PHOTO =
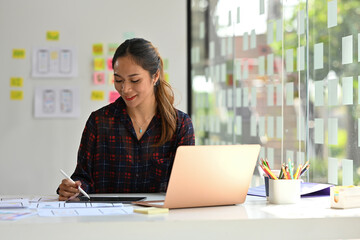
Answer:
(14, 203)
(56, 102)
(67, 212)
(54, 62)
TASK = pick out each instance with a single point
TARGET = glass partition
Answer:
(283, 74)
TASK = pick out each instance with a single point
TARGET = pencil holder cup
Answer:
(266, 180)
(283, 191)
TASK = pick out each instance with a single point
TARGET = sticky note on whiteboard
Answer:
(97, 95)
(97, 49)
(16, 82)
(52, 35)
(18, 53)
(99, 78)
(16, 95)
(99, 64)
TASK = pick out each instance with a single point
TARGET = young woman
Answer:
(130, 145)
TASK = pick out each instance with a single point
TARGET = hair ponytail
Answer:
(165, 99)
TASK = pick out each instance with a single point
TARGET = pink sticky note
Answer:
(113, 95)
(109, 64)
(99, 78)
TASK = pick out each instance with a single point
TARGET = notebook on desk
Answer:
(209, 176)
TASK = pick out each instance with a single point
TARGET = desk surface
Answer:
(312, 218)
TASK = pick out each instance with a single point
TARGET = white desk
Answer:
(312, 218)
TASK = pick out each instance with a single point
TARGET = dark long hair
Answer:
(147, 56)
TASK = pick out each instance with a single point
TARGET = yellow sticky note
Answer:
(16, 82)
(98, 49)
(52, 35)
(97, 95)
(99, 64)
(16, 95)
(18, 53)
(151, 210)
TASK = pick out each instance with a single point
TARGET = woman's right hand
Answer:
(68, 190)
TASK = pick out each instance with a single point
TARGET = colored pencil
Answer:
(270, 174)
(290, 169)
(296, 176)
(284, 171)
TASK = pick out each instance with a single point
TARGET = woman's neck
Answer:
(144, 111)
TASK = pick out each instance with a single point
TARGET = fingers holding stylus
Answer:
(68, 190)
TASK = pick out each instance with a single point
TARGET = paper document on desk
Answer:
(71, 212)
(14, 203)
(14, 215)
(62, 204)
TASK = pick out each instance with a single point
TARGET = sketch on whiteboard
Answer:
(43, 60)
(54, 62)
(66, 101)
(48, 101)
(56, 102)
(65, 61)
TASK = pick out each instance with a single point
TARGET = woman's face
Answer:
(133, 83)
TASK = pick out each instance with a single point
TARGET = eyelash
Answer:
(132, 81)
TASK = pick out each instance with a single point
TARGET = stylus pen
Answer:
(80, 189)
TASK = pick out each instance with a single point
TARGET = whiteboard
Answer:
(32, 150)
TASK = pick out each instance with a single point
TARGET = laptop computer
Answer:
(209, 176)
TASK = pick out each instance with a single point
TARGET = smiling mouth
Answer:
(129, 98)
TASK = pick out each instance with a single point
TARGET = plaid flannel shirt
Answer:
(112, 160)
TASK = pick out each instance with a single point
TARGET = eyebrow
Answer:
(131, 75)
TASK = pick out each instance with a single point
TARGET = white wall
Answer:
(33, 150)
